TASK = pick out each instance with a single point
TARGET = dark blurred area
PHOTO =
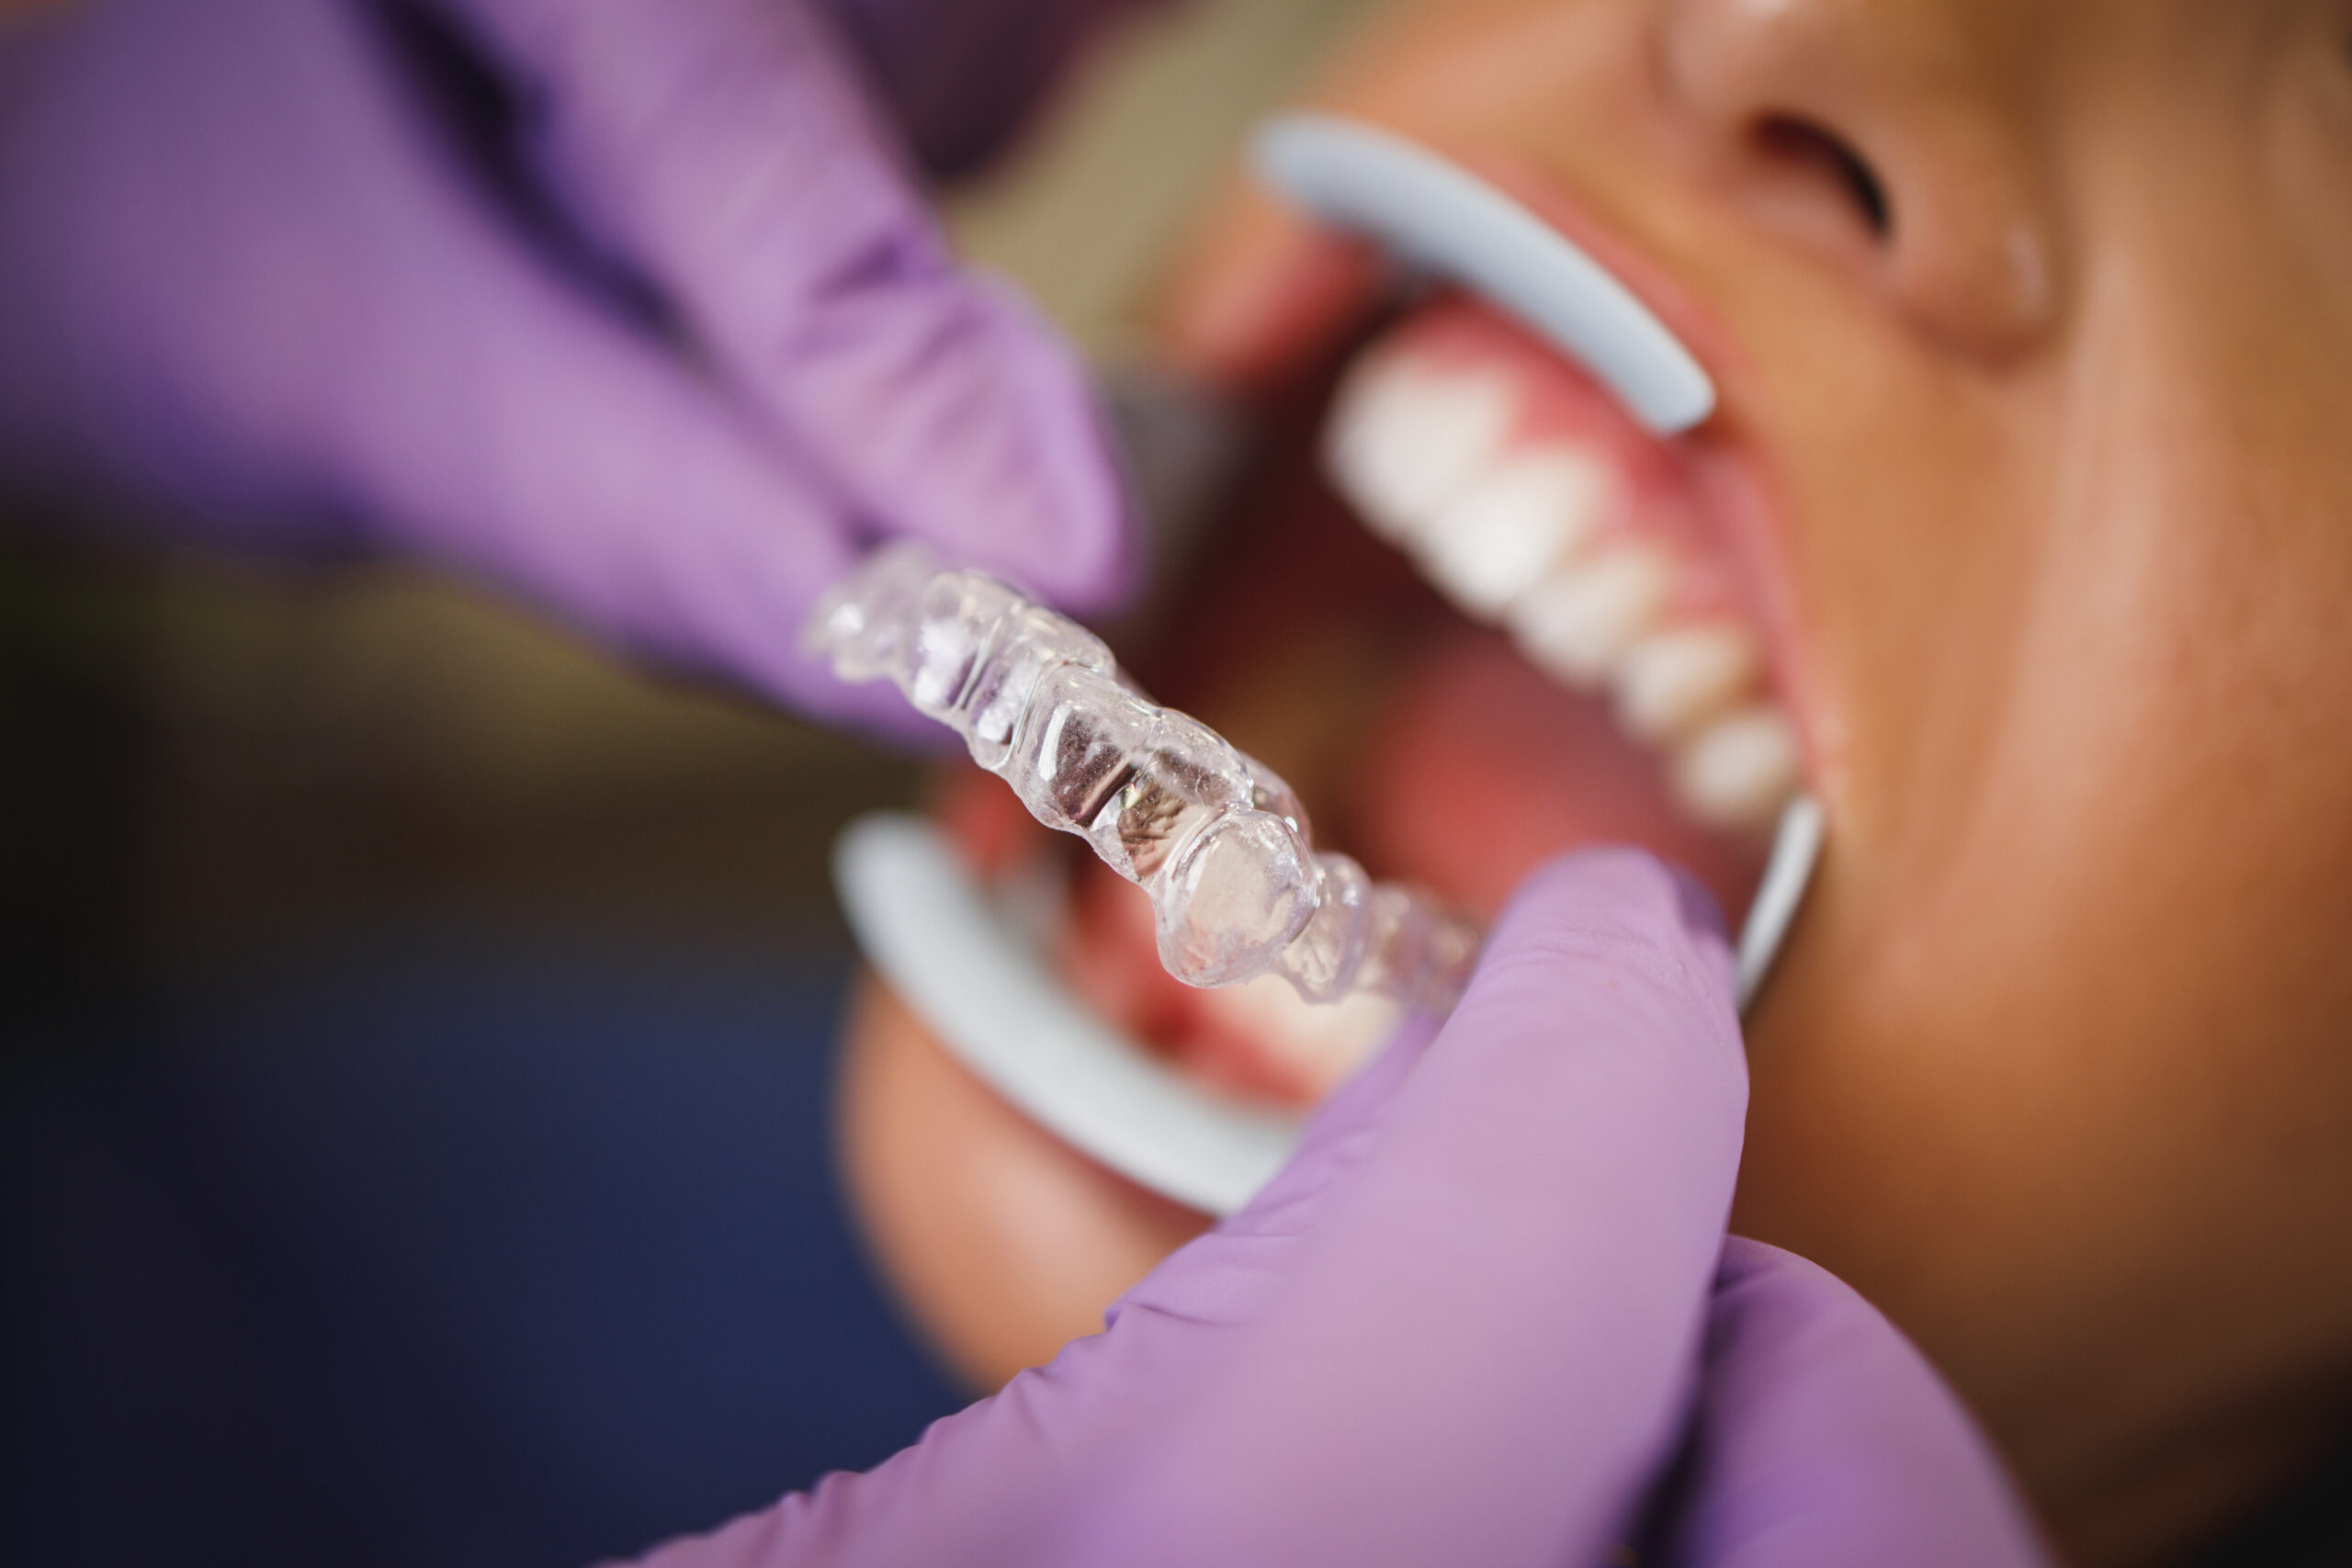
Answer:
(208, 761)
(415, 1036)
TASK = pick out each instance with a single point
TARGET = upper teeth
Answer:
(1523, 534)
(1410, 440)
(1514, 523)
(1578, 622)
(1742, 757)
(1672, 680)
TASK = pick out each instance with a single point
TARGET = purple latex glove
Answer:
(1475, 1320)
(627, 306)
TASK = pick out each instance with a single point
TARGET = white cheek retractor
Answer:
(1214, 838)
(1441, 219)
(971, 966)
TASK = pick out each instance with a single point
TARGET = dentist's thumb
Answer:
(1463, 1326)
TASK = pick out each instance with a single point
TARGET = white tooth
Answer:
(1322, 1042)
(1498, 538)
(1406, 439)
(1739, 771)
(1672, 680)
(1577, 622)
(1361, 428)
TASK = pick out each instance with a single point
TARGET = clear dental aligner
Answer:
(1218, 842)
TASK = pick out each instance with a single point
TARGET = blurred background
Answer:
(337, 912)
(204, 762)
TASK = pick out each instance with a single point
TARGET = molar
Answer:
(1577, 622)
(1738, 771)
(1673, 680)
(1505, 532)
(1407, 439)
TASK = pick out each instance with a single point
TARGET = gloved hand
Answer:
(1474, 1320)
(628, 307)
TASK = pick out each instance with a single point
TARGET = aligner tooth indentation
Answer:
(1215, 838)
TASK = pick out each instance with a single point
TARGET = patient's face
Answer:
(2024, 532)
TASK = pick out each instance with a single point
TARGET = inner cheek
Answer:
(1480, 769)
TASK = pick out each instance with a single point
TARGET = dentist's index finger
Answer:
(728, 149)
(1506, 1302)
(522, 435)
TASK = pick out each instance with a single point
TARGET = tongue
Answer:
(1478, 768)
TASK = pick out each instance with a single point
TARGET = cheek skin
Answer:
(2092, 1068)
(2055, 1069)
(1003, 1242)
(2085, 1036)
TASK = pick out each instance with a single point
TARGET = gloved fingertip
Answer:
(947, 409)
(1700, 911)
(877, 712)
(1063, 515)
(1597, 1032)
(1825, 1436)
(1359, 1096)
(1744, 1259)
(1765, 1295)
(1332, 1136)
(1620, 899)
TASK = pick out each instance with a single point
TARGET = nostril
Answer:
(1801, 145)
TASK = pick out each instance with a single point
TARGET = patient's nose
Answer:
(1894, 136)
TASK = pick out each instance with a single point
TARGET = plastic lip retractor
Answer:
(969, 969)
(1439, 217)
(964, 963)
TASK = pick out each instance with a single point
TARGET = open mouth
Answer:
(1476, 616)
